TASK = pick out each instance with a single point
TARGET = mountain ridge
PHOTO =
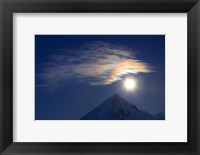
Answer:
(117, 108)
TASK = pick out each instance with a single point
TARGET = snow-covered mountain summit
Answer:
(117, 108)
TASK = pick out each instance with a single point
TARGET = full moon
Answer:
(130, 84)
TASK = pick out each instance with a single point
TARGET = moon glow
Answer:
(130, 84)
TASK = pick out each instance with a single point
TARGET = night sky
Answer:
(76, 73)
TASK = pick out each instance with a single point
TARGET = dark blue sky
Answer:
(71, 99)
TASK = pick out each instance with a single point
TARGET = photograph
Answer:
(100, 77)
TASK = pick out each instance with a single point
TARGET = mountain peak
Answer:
(117, 108)
(115, 96)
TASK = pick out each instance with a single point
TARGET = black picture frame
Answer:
(8, 7)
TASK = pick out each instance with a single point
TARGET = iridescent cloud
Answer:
(98, 63)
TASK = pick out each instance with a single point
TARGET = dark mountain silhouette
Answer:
(116, 108)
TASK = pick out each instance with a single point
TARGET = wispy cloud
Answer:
(98, 63)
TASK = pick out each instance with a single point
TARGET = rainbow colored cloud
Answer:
(97, 63)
